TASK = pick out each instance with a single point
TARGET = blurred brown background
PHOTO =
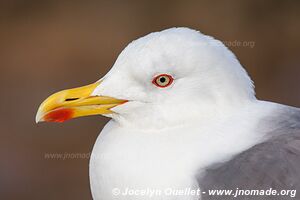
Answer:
(46, 46)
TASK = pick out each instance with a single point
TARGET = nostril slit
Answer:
(71, 99)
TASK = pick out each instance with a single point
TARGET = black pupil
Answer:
(163, 79)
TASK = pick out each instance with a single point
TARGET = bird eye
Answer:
(163, 80)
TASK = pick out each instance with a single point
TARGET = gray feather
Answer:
(274, 163)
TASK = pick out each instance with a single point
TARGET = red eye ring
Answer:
(163, 80)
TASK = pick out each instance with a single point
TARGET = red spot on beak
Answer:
(59, 115)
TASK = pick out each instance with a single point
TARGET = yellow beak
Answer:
(76, 102)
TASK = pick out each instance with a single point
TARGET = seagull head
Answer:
(163, 78)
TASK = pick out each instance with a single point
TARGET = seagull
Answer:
(185, 125)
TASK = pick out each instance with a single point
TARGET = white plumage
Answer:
(166, 137)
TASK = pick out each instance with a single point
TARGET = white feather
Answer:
(163, 138)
